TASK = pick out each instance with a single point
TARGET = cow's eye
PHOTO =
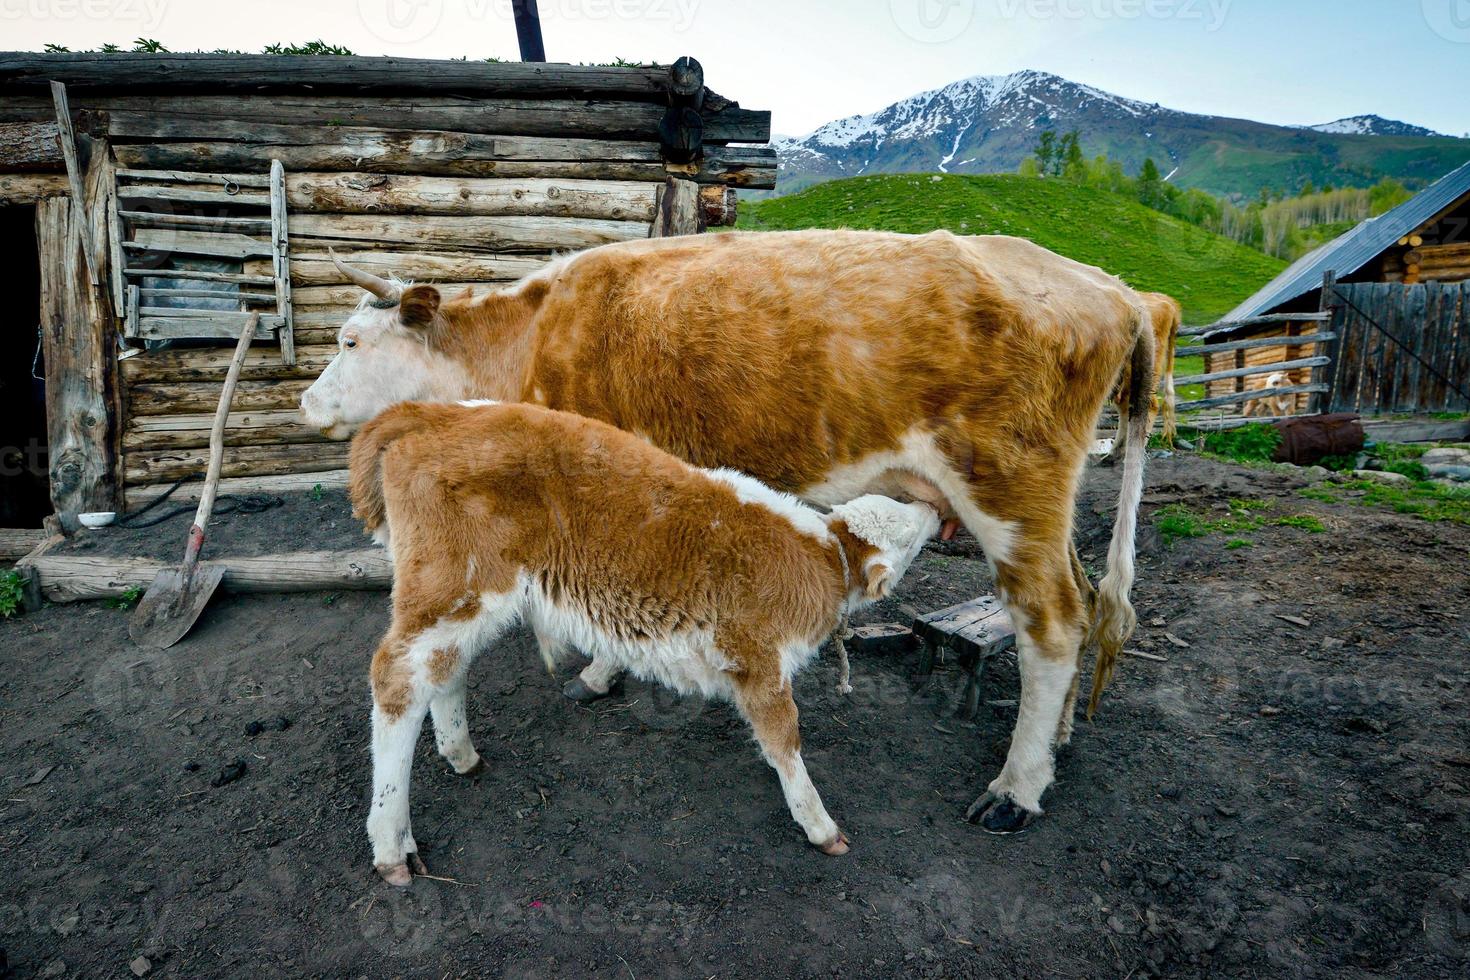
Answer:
(349, 344)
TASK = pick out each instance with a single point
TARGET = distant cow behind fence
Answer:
(1400, 348)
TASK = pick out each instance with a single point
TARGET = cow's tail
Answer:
(1113, 618)
(365, 473)
(1170, 411)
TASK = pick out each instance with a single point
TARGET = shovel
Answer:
(179, 594)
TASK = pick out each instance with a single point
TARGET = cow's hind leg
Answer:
(1041, 593)
(772, 714)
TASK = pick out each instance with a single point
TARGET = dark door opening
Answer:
(25, 490)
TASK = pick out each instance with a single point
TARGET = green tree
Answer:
(1150, 184)
(1073, 164)
(1029, 168)
(1046, 151)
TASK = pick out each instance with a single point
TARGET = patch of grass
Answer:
(1248, 444)
(317, 492)
(1427, 501)
(1177, 521)
(127, 600)
(12, 594)
(1305, 522)
(1207, 273)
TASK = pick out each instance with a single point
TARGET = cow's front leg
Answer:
(595, 682)
(1046, 610)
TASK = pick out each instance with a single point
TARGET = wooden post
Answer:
(1328, 373)
(281, 262)
(68, 141)
(528, 30)
(680, 211)
(81, 367)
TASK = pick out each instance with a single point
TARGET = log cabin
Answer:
(1424, 242)
(150, 203)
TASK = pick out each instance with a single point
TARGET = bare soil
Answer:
(1273, 799)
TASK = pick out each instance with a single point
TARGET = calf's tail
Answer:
(1113, 616)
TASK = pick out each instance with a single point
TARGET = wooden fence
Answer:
(1252, 350)
(1400, 348)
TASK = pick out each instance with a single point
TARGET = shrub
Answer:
(1253, 443)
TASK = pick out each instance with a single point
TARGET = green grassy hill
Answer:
(1208, 274)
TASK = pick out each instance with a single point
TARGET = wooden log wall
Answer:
(1428, 370)
(475, 178)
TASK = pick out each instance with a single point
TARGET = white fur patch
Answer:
(478, 403)
(919, 454)
(752, 491)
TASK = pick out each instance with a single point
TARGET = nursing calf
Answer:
(704, 580)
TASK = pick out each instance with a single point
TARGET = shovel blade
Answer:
(171, 605)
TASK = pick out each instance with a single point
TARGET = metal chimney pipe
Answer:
(528, 30)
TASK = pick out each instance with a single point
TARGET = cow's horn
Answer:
(378, 286)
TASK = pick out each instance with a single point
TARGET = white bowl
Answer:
(97, 518)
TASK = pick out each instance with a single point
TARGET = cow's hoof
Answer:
(836, 846)
(998, 814)
(475, 771)
(396, 875)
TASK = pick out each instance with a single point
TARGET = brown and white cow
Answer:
(706, 581)
(829, 364)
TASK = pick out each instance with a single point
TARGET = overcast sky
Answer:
(811, 61)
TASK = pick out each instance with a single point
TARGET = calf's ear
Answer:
(881, 581)
(418, 306)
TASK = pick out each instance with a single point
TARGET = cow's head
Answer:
(894, 532)
(386, 354)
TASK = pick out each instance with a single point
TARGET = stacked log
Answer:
(1440, 263)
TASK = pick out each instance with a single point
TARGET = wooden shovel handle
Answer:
(217, 441)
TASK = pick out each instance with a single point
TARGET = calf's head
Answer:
(385, 354)
(894, 532)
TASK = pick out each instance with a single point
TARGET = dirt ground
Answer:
(1273, 799)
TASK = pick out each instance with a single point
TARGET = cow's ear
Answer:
(881, 581)
(418, 306)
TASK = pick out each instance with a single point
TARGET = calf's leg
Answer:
(594, 683)
(772, 714)
(452, 730)
(412, 674)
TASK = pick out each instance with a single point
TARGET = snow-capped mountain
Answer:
(1372, 126)
(990, 123)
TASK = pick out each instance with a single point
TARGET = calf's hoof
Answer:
(579, 691)
(401, 875)
(396, 875)
(836, 846)
(999, 814)
(473, 772)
